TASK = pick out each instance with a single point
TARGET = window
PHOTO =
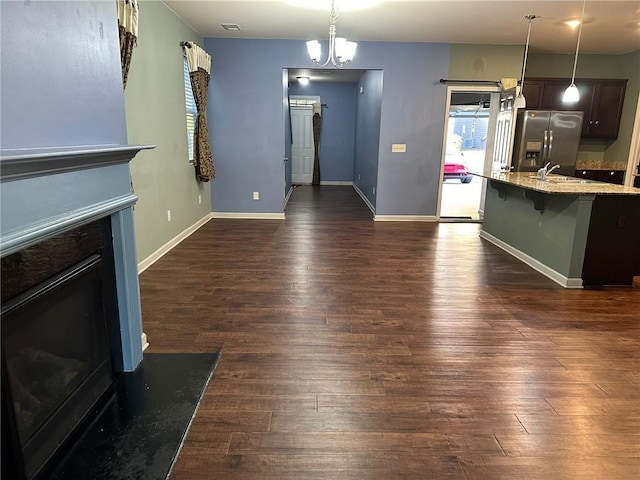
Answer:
(190, 109)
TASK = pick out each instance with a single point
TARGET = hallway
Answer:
(354, 349)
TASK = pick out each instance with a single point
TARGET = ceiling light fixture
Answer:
(341, 51)
(571, 94)
(303, 80)
(520, 101)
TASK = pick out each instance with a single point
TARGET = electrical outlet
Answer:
(199, 199)
(358, 176)
(398, 148)
(256, 195)
(374, 190)
(168, 215)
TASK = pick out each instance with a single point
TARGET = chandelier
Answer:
(341, 51)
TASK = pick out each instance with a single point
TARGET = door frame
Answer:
(491, 133)
(634, 150)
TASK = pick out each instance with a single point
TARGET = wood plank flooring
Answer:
(360, 350)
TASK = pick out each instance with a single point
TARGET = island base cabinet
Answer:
(612, 253)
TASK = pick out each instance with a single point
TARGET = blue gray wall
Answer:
(369, 109)
(247, 127)
(62, 88)
(60, 82)
(337, 137)
(155, 106)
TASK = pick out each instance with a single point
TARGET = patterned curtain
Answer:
(317, 129)
(200, 71)
(128, 29)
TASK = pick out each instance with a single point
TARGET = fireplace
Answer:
(59, 315)
(70, 298)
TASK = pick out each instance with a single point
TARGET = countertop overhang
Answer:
(559, 184)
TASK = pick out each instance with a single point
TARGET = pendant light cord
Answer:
(526, 51)
(575, 60)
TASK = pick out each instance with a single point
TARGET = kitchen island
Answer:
(580, 233)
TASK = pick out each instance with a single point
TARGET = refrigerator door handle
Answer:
(544, 148)
(550, 145)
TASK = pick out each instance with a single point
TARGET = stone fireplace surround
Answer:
(46, 192)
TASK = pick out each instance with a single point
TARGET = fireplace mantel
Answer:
(16, 164)
(48, 191)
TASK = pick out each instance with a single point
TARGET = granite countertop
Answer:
(560, 184)
(600, 165)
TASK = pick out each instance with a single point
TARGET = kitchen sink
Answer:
(561, 179)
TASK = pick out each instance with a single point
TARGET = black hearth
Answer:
(59, 316)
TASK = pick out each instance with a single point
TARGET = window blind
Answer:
(191, 110)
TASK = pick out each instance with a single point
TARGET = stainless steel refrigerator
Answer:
(544, 136)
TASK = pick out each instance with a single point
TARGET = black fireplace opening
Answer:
(59, 348)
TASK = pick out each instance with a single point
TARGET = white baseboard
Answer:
(249, 215)
(163, 250)
(333, 182)
(405, 218)
(557, 277)
(145, 343)
(364, 198)
(286, 199)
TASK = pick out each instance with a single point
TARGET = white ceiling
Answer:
(610, 26)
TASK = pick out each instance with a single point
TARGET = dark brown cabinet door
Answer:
(552, 96)
(606, 110)
(532, 92)
(601, 102)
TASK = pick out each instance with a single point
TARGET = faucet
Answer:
(544, 171)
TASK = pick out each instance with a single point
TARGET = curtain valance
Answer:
(197, 58)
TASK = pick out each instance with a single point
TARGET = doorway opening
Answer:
(302, 146)
(467, 152)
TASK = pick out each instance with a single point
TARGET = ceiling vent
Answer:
(233, 27)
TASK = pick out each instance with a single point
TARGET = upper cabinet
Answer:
(600, 99)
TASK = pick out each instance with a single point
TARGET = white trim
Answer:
(288, 196)
(634, 151)
(364, 198)
(405, 218)
(145, 343)
(37, 232)
(249, 215)
(332, 182)
(557, 277)
(163, 250)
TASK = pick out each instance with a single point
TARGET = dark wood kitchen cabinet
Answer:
(609, 176)
(601, 101)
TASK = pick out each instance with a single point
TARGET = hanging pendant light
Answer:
(341, 51)
(571, 94)
(520, 101)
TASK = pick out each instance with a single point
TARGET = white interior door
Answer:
(302, 150)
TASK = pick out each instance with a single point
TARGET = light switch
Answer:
(398, 148)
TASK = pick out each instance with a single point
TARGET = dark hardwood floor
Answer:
(360, 350)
